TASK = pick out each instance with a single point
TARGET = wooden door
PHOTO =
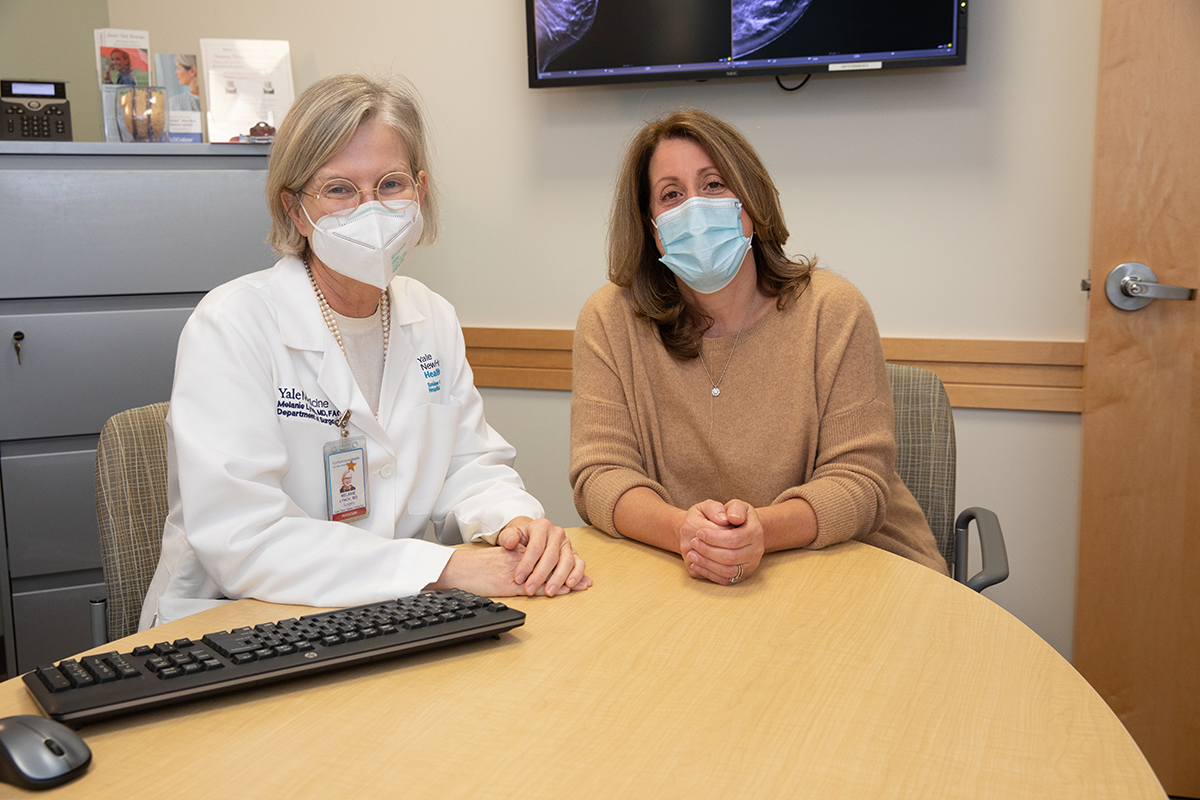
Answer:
(1137, 629)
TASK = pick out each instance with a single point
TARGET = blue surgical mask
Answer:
(703, 241)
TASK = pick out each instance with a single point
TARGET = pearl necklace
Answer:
(716, 387)
(331, 321)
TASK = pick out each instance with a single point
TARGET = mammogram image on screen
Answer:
(757, 23)
(592, 34)
(560, 24)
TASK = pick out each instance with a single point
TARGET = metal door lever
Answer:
(1133, 285)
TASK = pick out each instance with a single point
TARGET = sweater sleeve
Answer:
(606, 458)
(856, 450)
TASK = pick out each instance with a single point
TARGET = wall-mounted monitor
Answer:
(580, 42)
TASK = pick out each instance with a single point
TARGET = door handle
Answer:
(1132, 285)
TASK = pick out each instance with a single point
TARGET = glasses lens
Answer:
(338, 197)
(396, 190)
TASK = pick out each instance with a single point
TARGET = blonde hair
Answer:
(321, 122)
(633, 257)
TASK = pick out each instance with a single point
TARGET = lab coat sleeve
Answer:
(482, 490)
(250, 537)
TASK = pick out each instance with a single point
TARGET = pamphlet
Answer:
(122, 61)
(179, 75)
(246, 82)
(122, 57)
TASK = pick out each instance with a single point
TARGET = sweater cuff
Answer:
(834, 509)
(599, 504)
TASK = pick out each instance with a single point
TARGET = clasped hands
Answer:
(721, 542)
(532, 556)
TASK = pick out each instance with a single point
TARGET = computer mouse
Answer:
(38, 753)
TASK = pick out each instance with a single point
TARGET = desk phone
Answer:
(34, 110)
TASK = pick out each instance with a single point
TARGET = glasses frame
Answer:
(374, 192)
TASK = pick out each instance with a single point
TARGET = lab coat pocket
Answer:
(435, 447)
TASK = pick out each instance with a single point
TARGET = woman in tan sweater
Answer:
(729, 401)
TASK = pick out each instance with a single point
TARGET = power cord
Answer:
(795, 88)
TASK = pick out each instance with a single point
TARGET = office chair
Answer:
(131, 507)
(925, 459)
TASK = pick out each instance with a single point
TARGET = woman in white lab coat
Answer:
(330, 362)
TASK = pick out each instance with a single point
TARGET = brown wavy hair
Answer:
(633, 257)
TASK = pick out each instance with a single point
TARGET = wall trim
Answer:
(978, 373)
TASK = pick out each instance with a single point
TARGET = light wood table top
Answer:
(847, 672)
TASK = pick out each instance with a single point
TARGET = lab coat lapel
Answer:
(303, 328)
(400, 353)
(337, 382)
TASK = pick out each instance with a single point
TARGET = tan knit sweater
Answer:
(805, 411)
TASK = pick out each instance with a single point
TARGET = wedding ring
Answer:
(737, 577)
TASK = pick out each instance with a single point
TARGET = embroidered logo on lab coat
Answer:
(433, 372)
(295, 403)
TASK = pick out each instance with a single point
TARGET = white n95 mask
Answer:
(370, 243)
(703, 241)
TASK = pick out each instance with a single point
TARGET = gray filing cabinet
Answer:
(104, 251)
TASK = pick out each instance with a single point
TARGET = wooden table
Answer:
(848, 672)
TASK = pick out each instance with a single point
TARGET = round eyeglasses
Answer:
(339, 197)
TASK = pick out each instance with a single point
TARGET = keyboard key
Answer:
(54, 680)
(76, 674)
(233, 642)
(100, 670)
(121, 666)
(156, 663)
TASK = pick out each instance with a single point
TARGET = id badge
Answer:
(346, 477)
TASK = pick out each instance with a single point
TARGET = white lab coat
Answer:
(259, 381)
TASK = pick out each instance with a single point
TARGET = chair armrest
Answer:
(99, 611)
(991, 548)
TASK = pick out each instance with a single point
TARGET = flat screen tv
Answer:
(580, 42)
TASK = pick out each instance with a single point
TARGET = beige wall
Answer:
(52, 40)
(958, 200)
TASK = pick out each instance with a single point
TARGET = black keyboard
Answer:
(110, 684)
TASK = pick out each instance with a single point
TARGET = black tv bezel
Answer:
(854, 64)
